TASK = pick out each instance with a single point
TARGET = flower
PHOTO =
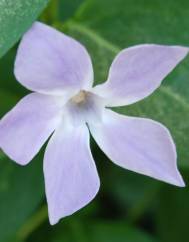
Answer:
(64, 104)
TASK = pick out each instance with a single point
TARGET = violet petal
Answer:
(137, 71)
(27, 126)
(138, 144)
(51, 62)
(71, 178)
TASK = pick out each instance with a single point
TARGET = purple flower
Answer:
(59, 71)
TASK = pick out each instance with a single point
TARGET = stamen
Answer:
(80, 97)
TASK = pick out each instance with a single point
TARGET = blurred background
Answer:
(129, 207)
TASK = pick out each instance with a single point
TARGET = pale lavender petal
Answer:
(50, 62)
(71, 178)
(137, 71)
(27, 126)
(138, 144)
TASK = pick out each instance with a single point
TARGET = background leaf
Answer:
(173, 214)
(17, 200)
(15, 18)
(90, 231)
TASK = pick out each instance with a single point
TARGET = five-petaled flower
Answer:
(64, 104)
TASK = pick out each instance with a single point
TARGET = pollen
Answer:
(80, 97)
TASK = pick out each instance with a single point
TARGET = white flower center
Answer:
(84, 107)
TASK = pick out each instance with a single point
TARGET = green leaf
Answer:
(173, 214)
(107, 231)
(9, 100)
(140, 22)
(21, 191)
(67, 8)
(15, 18)
(72, 229)
(7, 79)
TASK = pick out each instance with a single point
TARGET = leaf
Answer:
(67, 8)
(7, 80)
(21, 191)
(121, 27)
(9, 100)
(173, 214)
(15, 18)
(72, 229)
(106, 231)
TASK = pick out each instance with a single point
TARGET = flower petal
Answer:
(137, 71)
(50, 62)
(27, 126)
(138, 144)
(71, 178)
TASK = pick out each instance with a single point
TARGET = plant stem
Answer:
(34, 222)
